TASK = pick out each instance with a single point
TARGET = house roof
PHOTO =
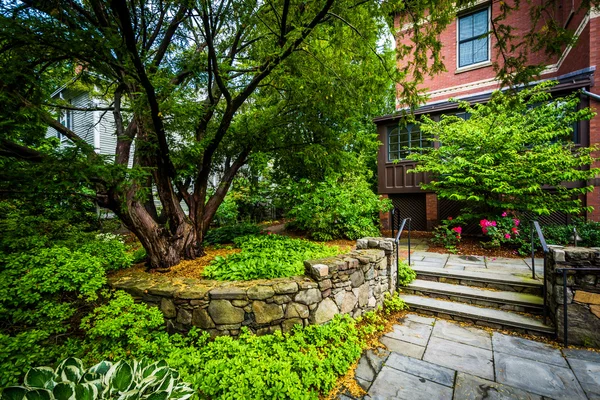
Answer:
(568, 82)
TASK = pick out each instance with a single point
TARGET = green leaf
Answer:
(122, 377)
(64, 391)
(86, 391)
(41, 377)
(101, 368)
(39, 394)
(162, 395)
(14, 393)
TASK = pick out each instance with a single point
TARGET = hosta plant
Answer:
(122, 380)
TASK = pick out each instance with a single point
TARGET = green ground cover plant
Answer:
(267, 256)
(227, 233)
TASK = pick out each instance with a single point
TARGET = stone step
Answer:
(491, 317)
(490, 280)
(506, 300)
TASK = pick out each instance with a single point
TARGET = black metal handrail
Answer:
(536, 229)
(565, 303)
(397, 243)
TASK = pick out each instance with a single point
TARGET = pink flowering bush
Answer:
(503, 229)
(448, 234)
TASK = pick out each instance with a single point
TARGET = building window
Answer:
(66, 120)
(403, 140)
(473, 38)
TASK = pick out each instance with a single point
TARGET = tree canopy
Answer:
(197, 89)
(509, 152)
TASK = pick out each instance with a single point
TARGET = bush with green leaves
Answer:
(337, 207)
(41, 293)
(508, 152)
(448, 234)
(122, 328)
(299, 365)
(405, 273)
(265, 257)
(227, 234)
(142, 379)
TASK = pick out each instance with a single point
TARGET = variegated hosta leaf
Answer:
(100, 368)
(122, 377)
(39, 394)
(162, 395)
(87, 391)
(182, 392)
(70, 370)
(14, 393)
(130, 395)
(41, 377)
(64, 391)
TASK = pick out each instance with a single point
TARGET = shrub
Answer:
(338, 207)
(112, 252)
(448, 234)
(405, 273)
(122, 328)
(140, 380)
(227, 234)
(299, 365)
(40, 293)
(503, 229)
(266, 257)
(227, 213)
(507, 151)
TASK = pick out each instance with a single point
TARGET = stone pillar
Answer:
(583, 293)
(431, 210)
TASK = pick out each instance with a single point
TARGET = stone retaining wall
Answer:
(583, 293)
(351, 284)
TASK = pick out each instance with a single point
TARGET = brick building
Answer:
(468, 54)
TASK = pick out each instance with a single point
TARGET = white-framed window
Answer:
(65, 119)
(403, 140)
(473, 38)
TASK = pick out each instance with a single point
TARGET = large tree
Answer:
(196, 87)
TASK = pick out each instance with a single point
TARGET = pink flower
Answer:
(483, 223)
(507, 236)
(504, 214)
(457, 229)
(516, 221)
(449, 218)
(484, 230)
(493, 223)
(515, 230)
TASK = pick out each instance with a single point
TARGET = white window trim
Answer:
(481, 64)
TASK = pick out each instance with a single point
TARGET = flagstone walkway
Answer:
(434, 359)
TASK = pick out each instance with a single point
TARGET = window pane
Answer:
(465, 27)
(466, 54)
(480, 50)
(393, 148)
(404, 137)
(480, 23)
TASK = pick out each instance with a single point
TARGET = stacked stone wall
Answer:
(352, 284)
(583, 293)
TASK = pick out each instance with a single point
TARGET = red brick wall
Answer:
(593, 198)
(431, 210)
(577, 58)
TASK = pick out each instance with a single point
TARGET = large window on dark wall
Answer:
(473, 38)
(403, 140)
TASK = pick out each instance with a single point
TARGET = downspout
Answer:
(592, 95)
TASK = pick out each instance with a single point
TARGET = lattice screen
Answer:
(413, 206)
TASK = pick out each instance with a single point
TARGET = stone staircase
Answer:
(495, 293)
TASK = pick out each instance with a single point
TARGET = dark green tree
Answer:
(509, 152)
(196, 88)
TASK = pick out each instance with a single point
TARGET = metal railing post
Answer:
(545, 293)
(409, 221)
(565, 338)
(532, 250)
